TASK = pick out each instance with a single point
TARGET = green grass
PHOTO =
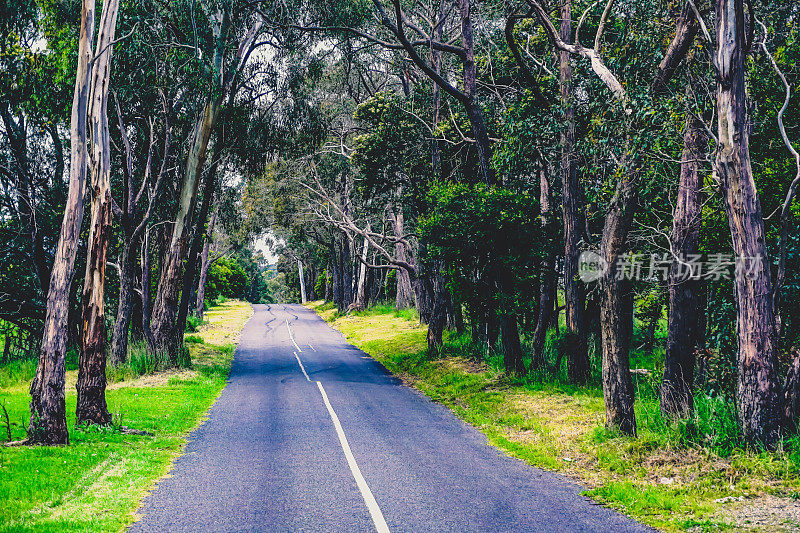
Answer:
(668, 477)
(97, 482)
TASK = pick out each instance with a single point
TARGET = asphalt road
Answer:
(311, 434)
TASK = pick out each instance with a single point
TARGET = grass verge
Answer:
(659, 478)
(97, 482)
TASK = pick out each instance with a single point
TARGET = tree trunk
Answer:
(91, 385)
(302, 281)
(758, 387)
(361, 292)
(337, 274)
(329, 284)
(683, 335)
(200, 302)
(405, 290)
(616, 308)
(165, 308)
(492, 327)
(547, 294)
(145, 288)
(438, 314)
(574, 291)
(476, 120)
(190, 274)
(122, 322)
(512, 350)
(48, 421)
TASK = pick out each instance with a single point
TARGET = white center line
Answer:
(312, 347)
(292, 337)
(301, 366)
(369, 499)
(366, 493)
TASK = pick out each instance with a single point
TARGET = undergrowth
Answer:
(676, 474)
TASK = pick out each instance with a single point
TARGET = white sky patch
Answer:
(265, 244)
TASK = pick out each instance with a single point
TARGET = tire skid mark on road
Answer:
(372, 505)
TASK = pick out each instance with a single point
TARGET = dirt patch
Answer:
(767, 513)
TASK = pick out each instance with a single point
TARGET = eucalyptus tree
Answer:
(414, 29)
(48, 422)
(685, 325)
(578, 368)
(224, 26)
(615, 287)
(758, 382)
(91, 385)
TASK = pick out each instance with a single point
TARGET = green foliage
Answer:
(393, 151)
(487, 237)
(227, 278)
(193, 322)
(321, 283)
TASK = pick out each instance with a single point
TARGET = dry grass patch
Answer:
(224, 323)
(158, 379)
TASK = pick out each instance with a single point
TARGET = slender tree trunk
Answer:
(492, 327)
(405, 291)
(458, 315)
(574, 291)
(137, 328)
(438, 315)
(302, 281)
(505, 319)
(125, 305)
(512, 349)
(204, 268)
(190, 274)
(48, 421)
(758, 387)
(329, 284)
(547, 294)
(683, 335)
(476, 119)
(616, 308)
(361, 293)
(165, 308)
(436, 63)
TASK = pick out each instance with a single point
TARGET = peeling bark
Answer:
(758, 385)
(547, 291)
(91, 385)
(48, 422)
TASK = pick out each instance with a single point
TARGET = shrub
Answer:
(193, 323)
